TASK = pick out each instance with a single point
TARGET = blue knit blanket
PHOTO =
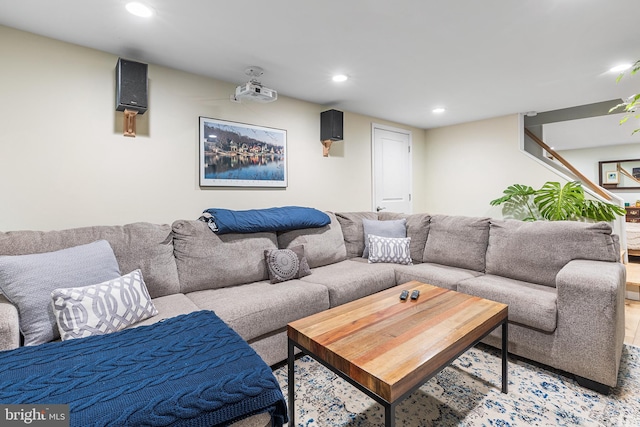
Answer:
(223, 221)
(190, 370)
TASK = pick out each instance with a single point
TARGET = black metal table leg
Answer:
(505, 345)
(291, 383)
(389, 414)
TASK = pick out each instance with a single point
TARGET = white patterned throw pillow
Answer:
(103, 308)
(389, 249)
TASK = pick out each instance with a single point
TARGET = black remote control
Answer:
(404, 295)
(415, 294)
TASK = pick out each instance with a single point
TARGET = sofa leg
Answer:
(593, 385)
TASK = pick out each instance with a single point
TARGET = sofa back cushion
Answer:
(417, 229)
(141, 245)
(536, 251)
(207, 260)
(353, 230)
(457, 241)
(322, 246)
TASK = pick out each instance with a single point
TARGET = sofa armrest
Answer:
(591, 316)
(9, 325)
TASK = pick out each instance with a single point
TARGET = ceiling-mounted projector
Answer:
(253, 89)
(256, 92)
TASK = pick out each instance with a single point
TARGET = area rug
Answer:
(468, 394)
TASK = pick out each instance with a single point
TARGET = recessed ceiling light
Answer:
(438, 110)
(139, 9)
(340, 78)
(619, 68)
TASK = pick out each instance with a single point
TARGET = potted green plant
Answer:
(554, 202)
(632, 104)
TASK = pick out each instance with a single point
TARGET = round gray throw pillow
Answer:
(286, 264)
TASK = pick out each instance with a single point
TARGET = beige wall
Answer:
(64, 162)
(470, 164)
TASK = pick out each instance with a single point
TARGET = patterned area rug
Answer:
(468, 394)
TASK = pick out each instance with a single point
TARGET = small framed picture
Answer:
(611, 177)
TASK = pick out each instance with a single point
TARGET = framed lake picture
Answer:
(241, 155)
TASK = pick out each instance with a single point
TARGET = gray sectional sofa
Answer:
(562, 280)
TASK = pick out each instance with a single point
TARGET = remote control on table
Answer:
(404, 295)
(415, 294)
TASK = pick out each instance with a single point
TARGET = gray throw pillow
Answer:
(28, 280)
(286, 264)
(391, 228)
(395, 250)
(103, 308)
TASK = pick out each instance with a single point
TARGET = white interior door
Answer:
(391, 169)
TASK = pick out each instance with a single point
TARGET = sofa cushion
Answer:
(443, 276)
(389, 249)
(457, 241)
(536, 251)
(28, 280)
(259, 308)
(529, 304)
(353, 230)
(393, 228)
(206, 260)
(352, 279)
(102, 308)
(417, 229)
(322, 246)
(286, 264)
(142, 245)
(169, 306)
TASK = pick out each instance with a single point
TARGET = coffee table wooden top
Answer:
(390, 346)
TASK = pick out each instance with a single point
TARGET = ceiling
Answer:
(590, 133)
(477, 59)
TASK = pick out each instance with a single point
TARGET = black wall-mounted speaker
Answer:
(131, 86)
(331, 125)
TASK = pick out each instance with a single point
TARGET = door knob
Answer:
(378, 209)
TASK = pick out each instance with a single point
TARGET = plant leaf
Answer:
(512, 191)
(557, 203)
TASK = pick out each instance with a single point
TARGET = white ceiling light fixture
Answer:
(340, 78)
(620, 68)
(139, 9)
(438, 110)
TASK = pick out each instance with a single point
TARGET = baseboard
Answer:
(633, 292)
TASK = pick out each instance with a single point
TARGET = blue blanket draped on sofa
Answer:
(222, 221)
(190, 370)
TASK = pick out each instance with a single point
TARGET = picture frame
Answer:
(612, 177)
(234, 154)
(619, 175)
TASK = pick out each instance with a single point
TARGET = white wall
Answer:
(586, 160)
(470, 164)
(65, 163)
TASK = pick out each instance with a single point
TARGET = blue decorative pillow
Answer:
(28, 280)
(389, 228)
(223, 221)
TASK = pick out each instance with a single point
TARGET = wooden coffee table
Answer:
(388, 348)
